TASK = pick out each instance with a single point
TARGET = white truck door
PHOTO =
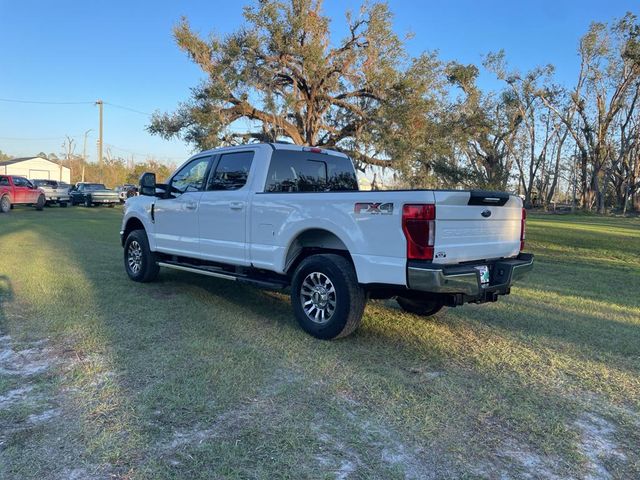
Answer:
(223, 209)
(176, 218)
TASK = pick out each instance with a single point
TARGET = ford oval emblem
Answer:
(486, 213)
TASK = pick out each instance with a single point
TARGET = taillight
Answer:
(313, 150)
(419, 227)
(523, 228)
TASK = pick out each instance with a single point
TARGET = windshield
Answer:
(94, 186)
(46, 183)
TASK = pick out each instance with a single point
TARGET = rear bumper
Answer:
(52, 197)
(465, 279)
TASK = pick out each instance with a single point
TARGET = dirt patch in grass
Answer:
(34, 420)
(25, 362)
(15, 396)
(45, 416)
(409, 461)
(519, 461)
(598, 445)
(349, 443)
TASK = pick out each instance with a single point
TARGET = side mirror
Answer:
(148, 184)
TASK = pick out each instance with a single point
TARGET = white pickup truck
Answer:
(279, 215)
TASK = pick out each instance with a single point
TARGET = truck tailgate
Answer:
(476, 226)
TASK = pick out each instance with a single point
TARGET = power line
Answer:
(114, 147)
(36, 138)
(13, 100)
(127, 108)
(42, 102)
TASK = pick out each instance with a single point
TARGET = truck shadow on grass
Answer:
(395, 357)
(597, 332)
(6, 295)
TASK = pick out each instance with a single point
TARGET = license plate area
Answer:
(484, 274)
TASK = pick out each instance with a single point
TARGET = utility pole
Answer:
(84, 152)
(100, 104)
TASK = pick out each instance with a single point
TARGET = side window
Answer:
(192, 176)
(231, 172)
(4, 181)
(20, 182)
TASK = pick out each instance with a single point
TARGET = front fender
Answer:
(139, 208)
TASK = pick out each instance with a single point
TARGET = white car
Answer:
(278, 215)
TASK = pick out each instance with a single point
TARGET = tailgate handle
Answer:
(479, 197)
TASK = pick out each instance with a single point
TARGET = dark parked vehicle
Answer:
(91, 194)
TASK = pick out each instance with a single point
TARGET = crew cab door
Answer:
(176, 217)
(23, 191)
(5, 186)
(223, 209)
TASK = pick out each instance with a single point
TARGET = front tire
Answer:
(87, 203)
(63, 204)
(424, 308)
(327, 300)
(139, 261)
(41, 203)
(5, 204)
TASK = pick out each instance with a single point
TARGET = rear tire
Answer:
(424, 308)
(41, 203)
(327, 300)
(139, 261)
(5, 204)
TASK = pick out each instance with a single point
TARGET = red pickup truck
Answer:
(16, 190)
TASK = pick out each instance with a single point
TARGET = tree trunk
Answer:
(585, 193)
(636, 201)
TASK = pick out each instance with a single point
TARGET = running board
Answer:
(268, 284)
(201, 271)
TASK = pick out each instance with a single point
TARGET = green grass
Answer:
(191, 377)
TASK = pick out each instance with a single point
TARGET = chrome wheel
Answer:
(134, 257)
(318, 297)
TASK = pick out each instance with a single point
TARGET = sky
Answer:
(123, 53)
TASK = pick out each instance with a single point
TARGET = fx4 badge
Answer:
(374, 208)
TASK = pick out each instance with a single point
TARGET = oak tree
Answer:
(281, 76)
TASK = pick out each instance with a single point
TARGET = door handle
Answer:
(191, 205)
(236, 205)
